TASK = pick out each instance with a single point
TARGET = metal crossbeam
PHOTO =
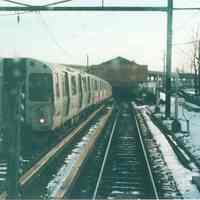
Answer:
(186, 9)
(49, 7)
(82, 8)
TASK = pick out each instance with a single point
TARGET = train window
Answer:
(73, 82)
(84, 84)
(40, 87)
(57, 86)
(89, 86)
(63, 85)
(95, 85)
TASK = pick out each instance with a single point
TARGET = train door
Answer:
(80, 91)
(58, 102)
(89, 90)
(94, 92)
(74, 97)
(63, 96)
(67, 99)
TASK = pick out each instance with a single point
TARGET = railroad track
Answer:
(123, 169)
(27, 180)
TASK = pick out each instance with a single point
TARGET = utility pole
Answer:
(87, 58)
(164, 71)
(176, 125)
(198, 68)
(102, 3)
(195, 78)
(169, 58)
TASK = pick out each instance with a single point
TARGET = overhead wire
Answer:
(51, 35)
(56, 3)
(186, 23)
(13, 14)
(23, 4)
(16, 13)
(17, 3)
(27, 5)
(185, 43)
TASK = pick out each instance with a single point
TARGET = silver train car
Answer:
(56, 94)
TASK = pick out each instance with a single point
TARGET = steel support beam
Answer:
(82, 8)
(186, 9)
(169, 58)
(49, 7)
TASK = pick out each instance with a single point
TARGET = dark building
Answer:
(123, 74)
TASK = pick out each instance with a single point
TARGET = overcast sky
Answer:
(68, 37)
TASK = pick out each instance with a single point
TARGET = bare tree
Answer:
(194, 63)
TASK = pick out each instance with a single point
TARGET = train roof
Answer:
(53, 66)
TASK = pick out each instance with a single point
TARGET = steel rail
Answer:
(38, 166)
(67, 183)
(147, 160)
(105, 157)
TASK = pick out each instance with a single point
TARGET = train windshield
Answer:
(40, 87)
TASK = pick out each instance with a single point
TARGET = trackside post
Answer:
(13, 71)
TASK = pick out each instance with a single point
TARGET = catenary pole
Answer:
(169, 58)
(198, 68)
(11, 91)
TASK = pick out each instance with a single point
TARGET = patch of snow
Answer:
(70, 162)
(182, 175)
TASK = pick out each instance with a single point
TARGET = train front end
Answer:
(39, 98)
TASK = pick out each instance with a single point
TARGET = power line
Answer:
(185, 43)
(52, 37)
(17, 2)
(186, 23)
(56, 3)
(15, 14)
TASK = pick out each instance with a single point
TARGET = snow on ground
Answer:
(190, 91)
(71, 162)
(182, 175)
(191, 112)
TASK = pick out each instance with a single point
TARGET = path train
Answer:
(54, 93)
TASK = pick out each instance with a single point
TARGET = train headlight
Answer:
(42, 120)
